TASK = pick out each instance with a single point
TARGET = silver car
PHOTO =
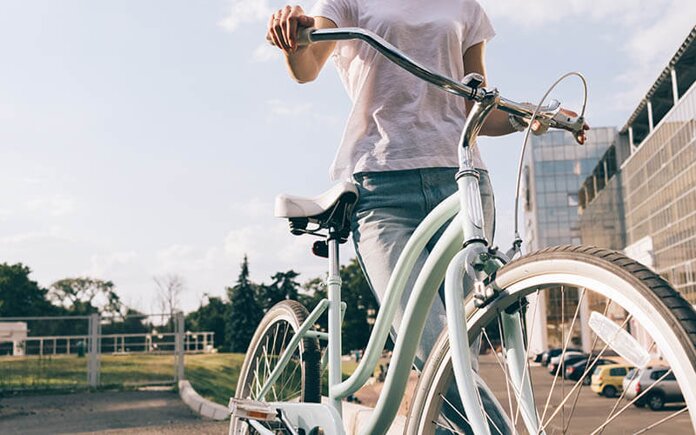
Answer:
(639, 380)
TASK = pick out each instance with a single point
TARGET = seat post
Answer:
(333, 284)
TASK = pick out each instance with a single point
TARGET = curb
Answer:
(200, 405)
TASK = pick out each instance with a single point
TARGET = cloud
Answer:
(283, 108)
(253, 208)
(245, 11)
(265, 53)
(55, 205)
(271, 248)
(531, 14)
(253, 11)
(106, 265)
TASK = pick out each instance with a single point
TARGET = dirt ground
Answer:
(142, 412)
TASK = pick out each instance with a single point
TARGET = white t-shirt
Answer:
(399, 121)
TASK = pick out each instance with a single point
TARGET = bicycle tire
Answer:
(669, 312)
(287, 315)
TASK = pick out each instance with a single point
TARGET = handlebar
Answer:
(468, 88)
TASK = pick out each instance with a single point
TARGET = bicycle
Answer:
(278, 389)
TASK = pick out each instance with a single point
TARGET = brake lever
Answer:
(573, 124)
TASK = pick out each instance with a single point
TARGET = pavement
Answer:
(117, 412)
(163, 412)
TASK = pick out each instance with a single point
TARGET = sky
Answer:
(144, 139)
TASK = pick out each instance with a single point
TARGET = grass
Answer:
(213, 376)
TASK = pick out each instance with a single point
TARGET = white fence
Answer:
(54, 359)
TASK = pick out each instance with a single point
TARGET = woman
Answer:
(400, 141)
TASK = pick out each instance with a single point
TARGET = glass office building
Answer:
(660, 198)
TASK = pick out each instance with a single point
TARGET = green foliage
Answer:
(86, 295)
(361, 305)
(243, 314)
(210, 317)
(20, 296)
(283, 287)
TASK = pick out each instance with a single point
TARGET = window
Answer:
(619, 371)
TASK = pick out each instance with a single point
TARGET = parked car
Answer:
(546, 356)
(569, 357)
(637, 381)
(607, 380)
(576, 369)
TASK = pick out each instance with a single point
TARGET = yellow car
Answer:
(607, 380)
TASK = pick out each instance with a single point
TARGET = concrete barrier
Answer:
(200, 405)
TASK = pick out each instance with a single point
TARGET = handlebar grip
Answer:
(304, 35)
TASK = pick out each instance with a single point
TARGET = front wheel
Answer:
(562, 286)
(299, 380)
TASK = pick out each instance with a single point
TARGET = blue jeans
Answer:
(391, 206)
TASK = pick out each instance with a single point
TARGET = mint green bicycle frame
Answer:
(450, 261)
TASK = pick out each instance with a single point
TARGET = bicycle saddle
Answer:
(331, 209)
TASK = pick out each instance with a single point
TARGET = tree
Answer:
(86, 295)
(169, 289)
(210, 317)
(283, 287)
(243, 313)
(20, 296)
(361, 305)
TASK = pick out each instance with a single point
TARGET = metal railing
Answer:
(73, 352)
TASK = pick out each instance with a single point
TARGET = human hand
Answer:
(283, 25)
(539, 127)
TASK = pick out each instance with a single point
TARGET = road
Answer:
(127, 412)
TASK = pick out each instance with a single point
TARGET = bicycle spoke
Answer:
(585, 370)
(669, 417)
(451, 428)
(444, 399)
(613, 417)
(577, 384)
(291, 377)
(504, 367)
(565, 347)
(623, 393)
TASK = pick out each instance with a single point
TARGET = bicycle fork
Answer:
(461, 267)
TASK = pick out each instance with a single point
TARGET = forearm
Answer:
(305, 64)
(497, 124)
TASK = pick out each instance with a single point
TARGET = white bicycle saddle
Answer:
(290, 206)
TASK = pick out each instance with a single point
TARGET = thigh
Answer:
(390, 207)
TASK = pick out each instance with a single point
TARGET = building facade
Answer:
(651, 194)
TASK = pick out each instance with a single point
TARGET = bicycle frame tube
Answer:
(424, 292)
(397, 283)
(333, 283)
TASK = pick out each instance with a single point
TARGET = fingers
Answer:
(283, 26)
(270, 34)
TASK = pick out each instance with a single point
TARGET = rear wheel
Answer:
(656, 401)
(609, 391)
(573, 280)
(299, 381)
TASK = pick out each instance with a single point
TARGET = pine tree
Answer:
(283, 287)
(244, 313)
